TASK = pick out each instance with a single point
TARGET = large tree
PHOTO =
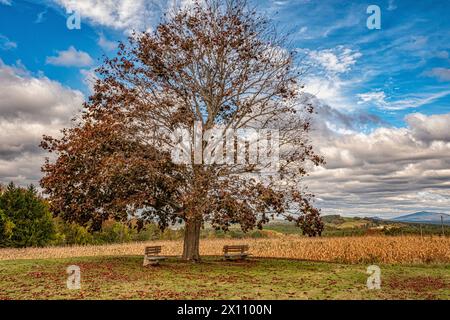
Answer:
(210, 69)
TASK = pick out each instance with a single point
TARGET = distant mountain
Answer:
(424, 217)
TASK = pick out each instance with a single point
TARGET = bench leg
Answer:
(146, 262)
(150, 262)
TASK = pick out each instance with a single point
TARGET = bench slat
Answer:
(151, 255)
(156, 258)
(238, 249)
(153, 250)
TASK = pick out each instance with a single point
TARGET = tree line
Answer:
(26, 221)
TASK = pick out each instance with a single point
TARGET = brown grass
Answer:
(382, 249)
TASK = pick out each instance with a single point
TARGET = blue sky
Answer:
(386, 89)
(397, 62)
(38, 38)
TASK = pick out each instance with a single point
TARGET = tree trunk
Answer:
(191, 246)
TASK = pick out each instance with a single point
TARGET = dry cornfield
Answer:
(366, 249)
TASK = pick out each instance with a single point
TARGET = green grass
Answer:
(125, 278)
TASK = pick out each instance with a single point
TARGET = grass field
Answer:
(287, 267)
(259, 278)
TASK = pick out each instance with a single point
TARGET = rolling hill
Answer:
(424, 217)
(336, 225)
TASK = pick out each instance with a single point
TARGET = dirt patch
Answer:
(418, 284)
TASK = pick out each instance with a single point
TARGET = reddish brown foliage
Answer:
(215, 64)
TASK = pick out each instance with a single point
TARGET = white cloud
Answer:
(6, 44)
(106, 44)
(41, 16)
(416, 100)
(125, 15)
(303, 30)
(71, 58)
(5, 2)
(385, 172)
(443, 74)
(442, 54)
(327, 73)
(378, 97)
(117, 14)
(350, 20)
(391, 5)
(329, 90)
(429, 128)
(337, 60)
(29, 108)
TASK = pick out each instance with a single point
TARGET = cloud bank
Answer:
(29, 108)
(384, 172)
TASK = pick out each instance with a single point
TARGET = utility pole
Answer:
(442, 225)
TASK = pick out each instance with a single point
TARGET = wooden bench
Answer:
(235, 252)
(151, 256)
